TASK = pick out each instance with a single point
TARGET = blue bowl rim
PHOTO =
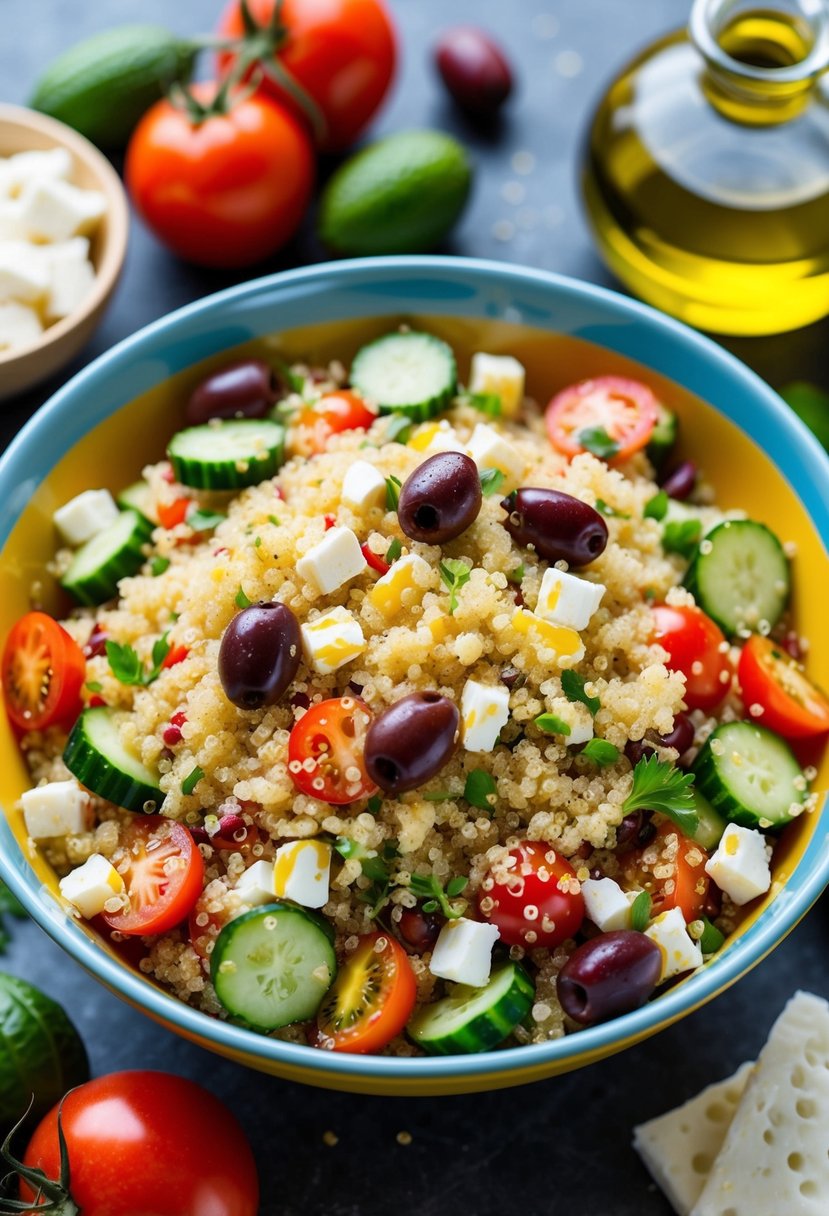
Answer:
(798, 453)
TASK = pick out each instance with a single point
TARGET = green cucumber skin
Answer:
(694, 576)
(101, 776)
(102, 585)
(420, 411)
(712, 786)
(663, 438)
(482, 1033)
(225, 475)
(710, 823)
(133, 498)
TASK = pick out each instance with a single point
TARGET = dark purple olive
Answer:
(681, 738)
(259, 655)
(680, 482)
(245, 389)
(419, 930)
(440, 499)
(411, 741)
(713, 902)
(474, 71)
(612, 974)
(96, 643)
(636, 831)
(558, 526)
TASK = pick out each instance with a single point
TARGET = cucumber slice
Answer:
(663, 438)
(273, 965)
(227, 455)
(475, 1019)
(95, 755)
(739, 575)
(138, 497)
(111, 555)
(710, 823)
(750, 776)
(410, 373)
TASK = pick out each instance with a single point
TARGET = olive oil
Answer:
(706, 173)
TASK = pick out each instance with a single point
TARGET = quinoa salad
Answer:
(396, 715)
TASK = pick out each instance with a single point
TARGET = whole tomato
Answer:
(341, 54)
(224, 190)
(147, 1142)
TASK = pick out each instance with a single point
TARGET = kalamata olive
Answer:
(418, 929)
(474, 71)
(558, 526)
(245, 388)
(680, 482)
(635, 831)
(611, 974)
(96, 643)
(681, 738)
(713, 902)
(411, 741)
(440, 499)
(259, 655)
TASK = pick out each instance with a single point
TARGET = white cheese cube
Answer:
(680, 952)
(255, 886)
(463, 952)
(408, 573)
(363, 486)
(24, 275)
(580, 721)
(301, 872)
(490, 451)
(499, 374)
(85, 516)
(568, 600)
(12, 227)
(71, 277)
(740, 866)
(57, 809)
(484, 713)
(334, 561)
(19, 325)
(92, 886)
(54, 210)
(606, 904)
(332, 640)
(25, 167)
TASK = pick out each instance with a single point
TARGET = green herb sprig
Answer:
(455, 574)
(551, 724)
(600, 751)
(640, 912)
(573, 687)
(393, 485)
(660, 786)
(595, 439)
(480, 790)
(491, 482)
(437, 898)
(126, 666)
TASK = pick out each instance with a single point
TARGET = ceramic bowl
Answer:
(117, 414)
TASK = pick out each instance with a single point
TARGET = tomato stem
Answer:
(55, 1190)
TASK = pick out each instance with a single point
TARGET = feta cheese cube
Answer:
(409, 573)
(85, 515)
(23, 274)
(463, 952)
(333, 562)
(54, 210)
(19, 325)
(490, 451)
(12, 227)
(499, 374)
(57, 809)
(25, 167)
(331, 640)
(484, 713)
(679, 952)
(301, 872)
(363, 486)
(580, 721)
(255, 886)
(740, 866)
(436, 437)
(92, 886)
(71, 277)
(606, 904)
(563, 641)
(568, 600)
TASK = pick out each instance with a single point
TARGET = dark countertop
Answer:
(561, 1146)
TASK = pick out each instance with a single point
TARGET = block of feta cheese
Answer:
(332, 640)
(490, 450)
(363, 486)
(12, 227)
(334, 561)
(680, 1147)
(484, 713)
(463, 952)
(775, 1158)
(19, 325)
(23, 167)
(408, 573)
(92, 886)
(568, 600)
(580, 720)
(502, 375)
(57, 809)
(71, 276)
(24, 274)
(255, 886)
(55, 210)
(740, 865)
(301, 872)
(85, 515)
(606, 904)
(565, 643)
(680, 952)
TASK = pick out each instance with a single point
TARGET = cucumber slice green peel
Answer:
(227, 455)
(475, 1019)
(407, 373)
(739, 575)
(95, 755)
(750, 776)
(115, 553)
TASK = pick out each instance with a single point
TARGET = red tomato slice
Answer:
(326, 751)
(697, 647)
(792, 705)
(176, 655)
(536, 901)
(332, 414)
(687, 885)
(172, 513)
(43, 672)
(624, 410)
(371, 999)
(164, 877)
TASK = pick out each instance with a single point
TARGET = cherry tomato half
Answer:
(326, 751)
(685, 887)
(43, 673)
(792, 705)
(332, 414)
(625, 410)
(697, 647)
(536, 900)
(164, 877)
(371, 999)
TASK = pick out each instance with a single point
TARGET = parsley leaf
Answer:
(486, 403)
(604, 508)
(376, 869)
(204, 521)
(656, 507)
(431, 889)
(573, 687)
(600, 752)
(374, 804)
(595, 439)
(552, 725)
(491, 482)
(274, 519)
(158, 565)
(393, 552)
(126, 666)
(516, 575)
(393, 485)
(480, 790)
(640, 912)
(94, 686)
(711, 938)
(455, 574)
(661, 786)
(682, 537)
(192, 780)
(398, 429)
(242, 600)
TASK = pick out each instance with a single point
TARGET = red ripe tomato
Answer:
(43, 673)
(147, 1142)
(164, 877)
(340, 52)
(172, 513)
(177, 654)
(697, 647)
(371, 1000)
(332, 414)
(534, 899)
(326, 751)
(608, 407)
(227, 191)
(685, 887)
(792, 705)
